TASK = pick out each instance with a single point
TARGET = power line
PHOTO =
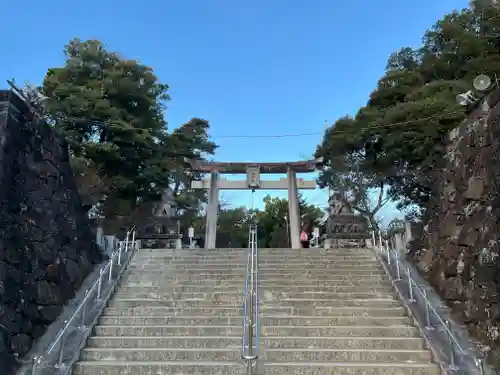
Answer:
(276, 136)
(382, 126)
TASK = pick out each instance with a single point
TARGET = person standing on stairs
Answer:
(304, 238)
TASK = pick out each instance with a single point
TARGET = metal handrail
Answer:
(393, 261)
(251, 315)
(56, 360)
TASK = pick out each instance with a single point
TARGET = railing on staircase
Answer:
(451, 350)
(60, 356)
(251, 315)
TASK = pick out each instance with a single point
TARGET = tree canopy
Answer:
(394, 140)
(111, 110)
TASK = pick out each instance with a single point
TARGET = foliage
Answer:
(232, 227)
(111, 112)
(398, 137)
(273, 229)
(395, 226)
(273, 221)
(191, 141)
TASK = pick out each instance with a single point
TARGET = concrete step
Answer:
(311, 321)
(343, 342)
(264, 255)
(310, 303)
(271, 294)
(223, 354)
(170, 277)
(271, 281)
(280, 284)
(348, 355)
(354, 271)
(263, 260)
(225, 330)
(313, 304)
(161, 354)
(223, 284)
(313, 280)
(175, 320)
(187, 268)
(182, 296)
(349, 368)
(318, 265)
(192, 258)
(166, 271)
(335, 283)
(187, 272)
(266, 295)
(358, 331)
(152, 342)
(320, 311)
(156, 368)
(200, 288)
(184, 304)
(265, 320)
(169, 330)
(194, 252)
(193, 268)
(140, 310)
(243, 265)
(279, 262)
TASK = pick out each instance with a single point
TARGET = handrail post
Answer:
(251, 314)
(133, 240)
(126, 240)
(452, 365)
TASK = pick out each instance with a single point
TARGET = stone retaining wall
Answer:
(46, 244)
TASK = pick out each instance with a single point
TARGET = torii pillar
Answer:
(293, 209)
(212, 211)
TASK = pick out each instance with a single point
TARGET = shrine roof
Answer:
(303, 166)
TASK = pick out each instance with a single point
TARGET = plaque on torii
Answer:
(253, 182)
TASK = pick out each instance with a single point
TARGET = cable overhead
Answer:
(275, 136)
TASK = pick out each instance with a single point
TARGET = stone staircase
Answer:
(322, 313)
(334, 311)
(176, 312)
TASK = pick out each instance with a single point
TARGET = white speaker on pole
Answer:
(482, 82)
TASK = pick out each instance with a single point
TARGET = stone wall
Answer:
(46, 244)
(458, 250)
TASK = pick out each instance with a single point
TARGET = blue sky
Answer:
(257, 67)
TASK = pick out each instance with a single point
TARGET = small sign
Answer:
(253, 177)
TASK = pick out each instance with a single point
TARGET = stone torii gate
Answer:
(253, 170)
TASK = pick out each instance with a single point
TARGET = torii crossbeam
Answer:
(253, 182)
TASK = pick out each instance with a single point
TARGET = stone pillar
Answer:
(212, 211)
(293, 208)
(399, 244)
(328, 243)
(408, 236)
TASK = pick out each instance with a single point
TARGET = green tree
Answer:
(398, 137)
(273, 221)
(190, 140)
(346, 169)
(111, 111)
(232, 227)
